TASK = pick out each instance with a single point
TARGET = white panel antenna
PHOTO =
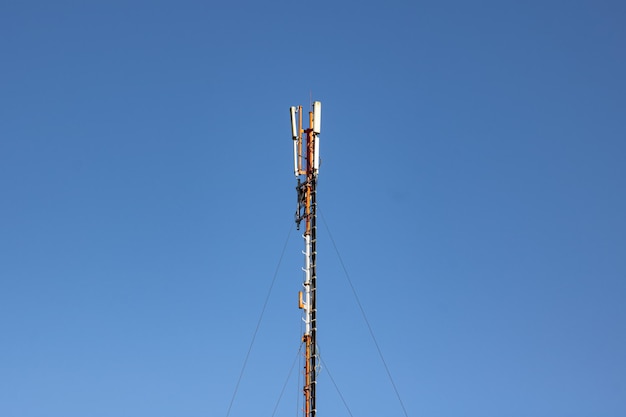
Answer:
(316, 156)
(317, 117)
(294, 128)
(295, 135)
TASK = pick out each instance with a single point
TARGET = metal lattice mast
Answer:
(306, 167)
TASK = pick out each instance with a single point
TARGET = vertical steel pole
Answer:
(311, 179)
(307, 207)
(313, 311)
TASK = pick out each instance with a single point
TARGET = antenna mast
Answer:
(306, 166)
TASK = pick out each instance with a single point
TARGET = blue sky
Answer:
(473, 165)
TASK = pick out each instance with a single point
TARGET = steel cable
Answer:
(369, 327)
(282, 391)
(258, 324)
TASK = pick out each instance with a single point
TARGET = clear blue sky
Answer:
(473, 178)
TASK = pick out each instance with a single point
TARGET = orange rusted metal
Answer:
(307, 375)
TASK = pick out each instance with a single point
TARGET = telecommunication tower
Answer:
(306, 163)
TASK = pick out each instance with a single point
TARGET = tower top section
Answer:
(306, 160)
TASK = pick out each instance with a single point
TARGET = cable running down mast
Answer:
(306, 166)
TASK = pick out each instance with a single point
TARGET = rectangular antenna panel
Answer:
(294, 129)
(316, 157)
(317, 117)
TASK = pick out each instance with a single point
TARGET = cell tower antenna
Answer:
(306, 167)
